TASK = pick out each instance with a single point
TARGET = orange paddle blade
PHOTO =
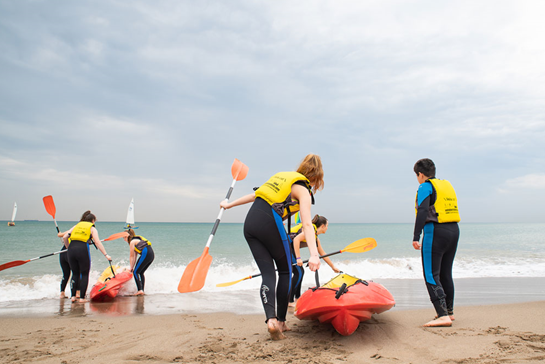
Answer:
(15, 263)
(239, 170)
(195, 273)
(361, 246)
(116, 236)
(50, 206)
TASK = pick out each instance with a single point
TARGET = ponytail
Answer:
(319, 220)
(88, 216)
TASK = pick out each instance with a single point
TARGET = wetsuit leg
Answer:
(268, 248)
(438, 251)
(65, 266)
(79, 258)
(296, 280)
(144, 261)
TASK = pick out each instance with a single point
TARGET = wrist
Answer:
(298, 258)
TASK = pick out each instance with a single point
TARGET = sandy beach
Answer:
(509, 333)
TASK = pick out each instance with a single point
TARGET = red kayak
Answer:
(108, 286)
(344, 301)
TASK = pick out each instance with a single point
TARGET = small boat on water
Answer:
(130, 217)
(344, 301)
(12, 222)
(109, 284)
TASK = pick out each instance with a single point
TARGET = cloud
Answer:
(531, 181)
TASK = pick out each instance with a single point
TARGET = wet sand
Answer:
(511, 333)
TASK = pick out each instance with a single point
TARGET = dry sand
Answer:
(511, 333)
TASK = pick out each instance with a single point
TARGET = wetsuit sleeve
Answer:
(423, 199)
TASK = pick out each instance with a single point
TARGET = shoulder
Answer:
(425, 189)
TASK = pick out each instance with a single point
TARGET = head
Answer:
(130, 236)
(88, 216)
(321, 224)
(424, 169)
(311, 167)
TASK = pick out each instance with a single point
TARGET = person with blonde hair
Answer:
(282, 195)
(138, 245)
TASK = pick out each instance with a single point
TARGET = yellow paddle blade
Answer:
(227, 284)
(361, 246)
(195, 273)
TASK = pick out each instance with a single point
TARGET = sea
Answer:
(495, 263)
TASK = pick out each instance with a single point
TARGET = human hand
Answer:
(417, 245)
(300, 262)
(109, 258)
(336, 270)
(314, 263)
(224, 204)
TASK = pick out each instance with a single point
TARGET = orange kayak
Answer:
(344, 301)
(108, 286)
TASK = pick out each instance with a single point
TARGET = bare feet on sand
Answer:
(274, 330)
(283, 327)
(63, 295)
(291, 304)
(139, 293)
(73, 299)
(443, 321)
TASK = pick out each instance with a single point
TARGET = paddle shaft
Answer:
(218, 220)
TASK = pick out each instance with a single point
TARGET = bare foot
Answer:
(274, 331)
(291, 304)
(63, 295)
(283, 327)
(443, 321)
(82, 300)
(73, 299)
(451, 317)
(139, 293)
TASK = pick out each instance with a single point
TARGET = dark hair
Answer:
(319, 220)
(131, 235)
(425, 166)
(88, 216)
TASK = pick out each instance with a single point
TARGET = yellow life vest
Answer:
(82, 232)
(445, 208)
(298, 229)
(138, 247)
(277, 192)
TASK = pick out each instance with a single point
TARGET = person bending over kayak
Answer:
(142, 247)
(77, 241)
(437, 215)
(320, 224)
(65, 267)
(281, 196)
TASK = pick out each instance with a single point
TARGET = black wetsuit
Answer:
(438, 250)
(296, 280)
(65, 266)
(79, 257)
(268, 241)
(143, 262)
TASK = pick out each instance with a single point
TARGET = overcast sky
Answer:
(104, 101)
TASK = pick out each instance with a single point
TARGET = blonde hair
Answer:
(131, 235)
(311, 167)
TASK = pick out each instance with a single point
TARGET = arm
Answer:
(239, 201)
(423, 199)
(98, 244)
(302, 195)
(132, 256)
(297, 248)
(65, 237)
(326, 259)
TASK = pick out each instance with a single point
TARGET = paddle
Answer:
(51, 209)
(195, 273)
(16, 263)
(359, 246)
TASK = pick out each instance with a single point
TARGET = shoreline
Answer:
(507, 333)
(409, 294)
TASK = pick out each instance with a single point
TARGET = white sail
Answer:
(130, 214)
(14, 212)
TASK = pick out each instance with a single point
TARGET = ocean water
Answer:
(492, 251)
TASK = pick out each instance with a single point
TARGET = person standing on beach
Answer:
(141, 246)
(282, 195)
(77, 241)
(437, 216)
(65, 267)
(320, 225)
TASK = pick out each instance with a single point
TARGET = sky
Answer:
(105, 101)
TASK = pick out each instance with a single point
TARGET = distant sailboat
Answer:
(12, 222)
(130, 217)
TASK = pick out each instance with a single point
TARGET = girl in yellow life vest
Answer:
(138, 245)
(77, 241)
(320, 227)
(281, 196)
